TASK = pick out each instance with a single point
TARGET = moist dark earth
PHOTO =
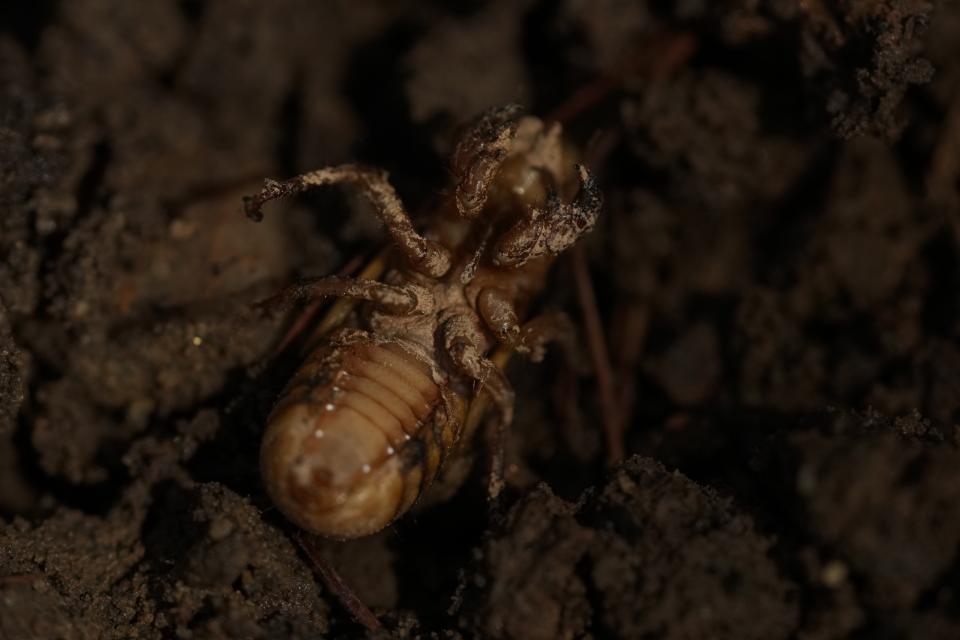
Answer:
(776, 272)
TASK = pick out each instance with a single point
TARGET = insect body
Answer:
(372, 416)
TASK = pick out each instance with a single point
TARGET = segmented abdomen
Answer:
(359, 433)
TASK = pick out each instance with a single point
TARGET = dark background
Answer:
(776, 270)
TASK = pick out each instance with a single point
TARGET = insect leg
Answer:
(546, 328)
(462, 340)
(552, 229)
(498, 313)
(425, 256)
(479, 154)
(390, 298)
(496, 307)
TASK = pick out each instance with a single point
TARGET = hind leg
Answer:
(463, 340)
(425, 256)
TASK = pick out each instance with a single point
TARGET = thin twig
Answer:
(657, 58)
(609, 404)
(335, 584)
(338, 309)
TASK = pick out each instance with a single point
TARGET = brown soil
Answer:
(777, 267)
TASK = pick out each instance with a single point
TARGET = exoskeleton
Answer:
(376, 412)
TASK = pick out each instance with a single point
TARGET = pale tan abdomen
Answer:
(359, 433)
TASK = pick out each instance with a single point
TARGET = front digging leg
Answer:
(479, 155)
(552, 229)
